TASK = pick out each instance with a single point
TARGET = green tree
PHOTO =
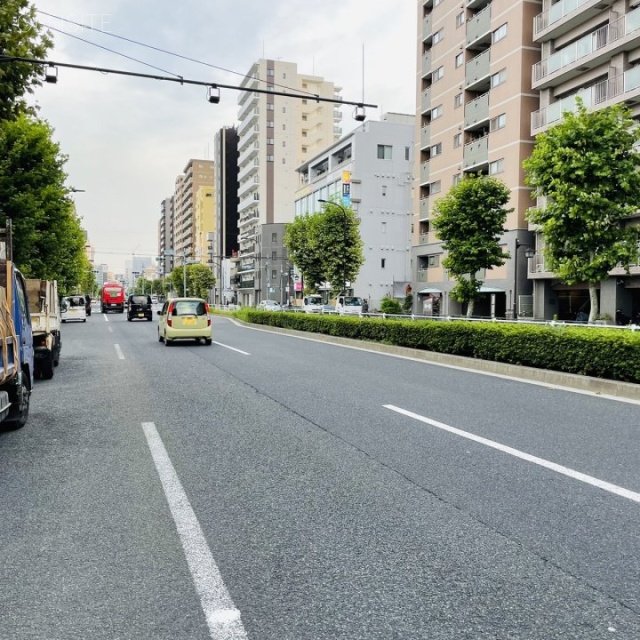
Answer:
(48, 239)
(199, 280)
(390, 305)
(300, 240)
(21, 35)
(470, 221)
(587, 168)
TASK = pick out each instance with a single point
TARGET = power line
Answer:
(165, 51)
(124, 55)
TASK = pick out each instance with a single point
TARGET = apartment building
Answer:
(223, 240)
(373, 165)
(204, 222)
(165, 236)
(276, 134)
(474, 100)
(196, 174)
(590, 50)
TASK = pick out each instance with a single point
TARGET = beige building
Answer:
(276, 134)
(196, 174)
(204, 221)
(592, 50)
(475, 101)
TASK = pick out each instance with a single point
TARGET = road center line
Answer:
(223, 618)
(226, 346)
(104, 315)
(566, 471)
(110, 329)
(119, 352)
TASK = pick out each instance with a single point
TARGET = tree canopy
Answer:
(21, 35)
(587, 169)
(48, 240)
(199, 280)
(470, 220)
(326, 246)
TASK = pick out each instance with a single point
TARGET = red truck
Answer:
(112, 297)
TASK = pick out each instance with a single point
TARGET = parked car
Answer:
(139, 307)
(184, 319)
(73, 308)
(269, 305)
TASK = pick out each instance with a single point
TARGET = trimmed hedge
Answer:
(589, 351)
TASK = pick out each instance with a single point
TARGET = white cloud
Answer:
(128, 139)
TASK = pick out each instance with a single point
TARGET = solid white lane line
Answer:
(226, 346)
(119, 352)
(223, 618)
(104, 315)
(566, 471)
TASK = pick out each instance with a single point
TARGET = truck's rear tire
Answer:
(46, 367)
(19, 412)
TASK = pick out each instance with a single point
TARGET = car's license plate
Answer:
(141, 315)
(189, 321)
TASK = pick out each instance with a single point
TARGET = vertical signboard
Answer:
(346, 188)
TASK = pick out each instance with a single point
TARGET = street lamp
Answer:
(344, 247)
(529, 253)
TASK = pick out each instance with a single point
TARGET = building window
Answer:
(500, 33)
(284, 143)
(436, 112)
(270, 106)
(496, 167)
(457, 101)
(304, 149)
(498, 122)
(498, 78)
(384, 189)
(460, 19)
(433, 261)
(437, 36)
(270, 158)
(436, 149)
(459, 60)
(435, 187)
(274, 274)
(384, 152)
(274, 237)
(456, 178)
(270, 124)
(383, 263)
(271, 72)
(457, 140)
(270, 141)
(384, 227)
(438, 74)
(407, 153)
(304, 118)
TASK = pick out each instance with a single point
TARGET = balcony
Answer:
(426, 27)
(565, 15)
(247, 284)
(477, 72)
(476, 113)
(476, 153)
(249, 169)
(425, 136)
(477, 4)
(426, 63)
(428, 238)
(588, 52)
(625, 87)
(424, 173)
(424, 208)
(426, 100)
(479, 29)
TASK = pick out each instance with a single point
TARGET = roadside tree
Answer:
(470, 220)
(587, 168)
(200, 280)
(300, 240)
(21, 35)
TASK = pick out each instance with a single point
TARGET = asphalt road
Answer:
(277, 488)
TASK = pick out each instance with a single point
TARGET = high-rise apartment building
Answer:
(204, 222)
(475, 99)
(196, 174)
(276, 134)
(165, 236)
(590, 50)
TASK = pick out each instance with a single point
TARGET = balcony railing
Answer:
(585, 46)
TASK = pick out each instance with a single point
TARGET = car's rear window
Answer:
(139, 299)
(189, 308)
(76, 301)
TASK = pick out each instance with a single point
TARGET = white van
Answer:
(312, 303)
(348, 305)
(73, 308)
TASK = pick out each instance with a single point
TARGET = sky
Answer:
(127, 139)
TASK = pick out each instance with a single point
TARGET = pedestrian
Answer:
(365, 307)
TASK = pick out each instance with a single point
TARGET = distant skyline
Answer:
(128, 138)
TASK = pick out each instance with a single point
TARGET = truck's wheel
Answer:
(19, 412)
(46, 368)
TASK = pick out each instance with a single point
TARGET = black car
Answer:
(139, 307)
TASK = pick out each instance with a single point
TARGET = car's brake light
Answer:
(169, 320)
